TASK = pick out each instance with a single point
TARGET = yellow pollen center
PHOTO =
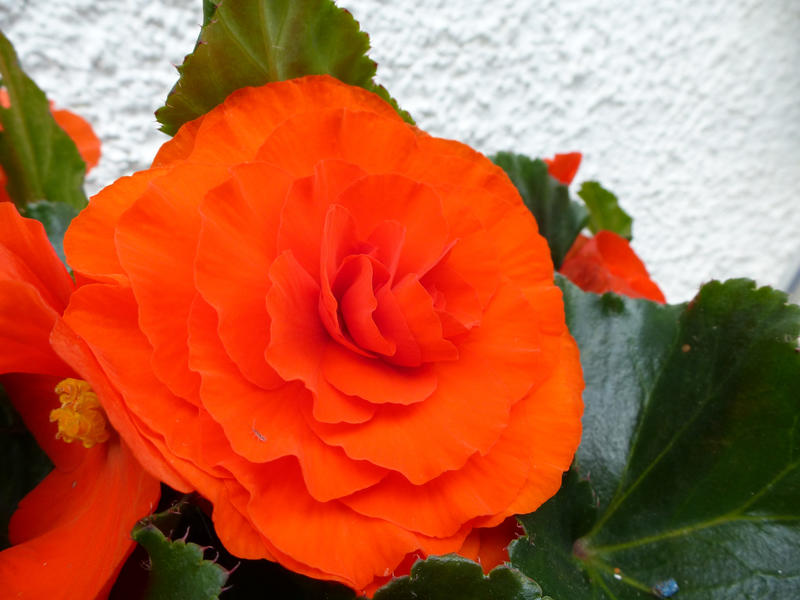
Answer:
(80, 417)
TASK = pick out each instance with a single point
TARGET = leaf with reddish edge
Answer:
(177, 568)
(253, 42)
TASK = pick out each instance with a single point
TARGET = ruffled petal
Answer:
(68, 543)
(372, 141)
(298, 341)
(154, 232)
(264, 425)
(105, 317)
(233, 277)
(89, 240)
(501, 355)
(306, 208)
(378, 546)
(233, 132)
(375, 381)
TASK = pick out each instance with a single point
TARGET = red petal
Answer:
(264, 425)
(564, 166)
(607, 263)
(89, 240)
(303, 216)
(105, 317)
(232, 132)
(489, 546)
(361, 274)
(377, 547)
(496, 361)
(486, 485)
(298, 340)
(375, 381)
(232, 277)
(70, 544)
(160, 229)
(376, 143)
(27, 255)
(376, 199)
(33, 396)
(416, 305)
(81, 132)
(25, 325)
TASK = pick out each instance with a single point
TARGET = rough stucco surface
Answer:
(689, 111)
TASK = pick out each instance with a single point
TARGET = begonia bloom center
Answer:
(80, 417)
(367, 303)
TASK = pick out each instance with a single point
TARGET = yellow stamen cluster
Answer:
(80, 417)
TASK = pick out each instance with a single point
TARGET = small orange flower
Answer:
(71, 534)
(76, 127)
(607, 263)
(342, 331)
(564, 166)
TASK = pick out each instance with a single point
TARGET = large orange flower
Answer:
(342, 331)
(76, 127)
(71, 534)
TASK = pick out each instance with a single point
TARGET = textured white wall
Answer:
(689, 111)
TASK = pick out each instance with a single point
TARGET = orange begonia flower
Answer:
(71, 534)
(342, 331)
(76, 127)
(607, 263)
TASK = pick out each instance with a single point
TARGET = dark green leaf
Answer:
(559, 218)
(554, 527)
(253, 42)
(449, 577)
(692, 444)
(247, 580)
(24, 464)
(604, 210)
(55, 217)
(39, 158)
(178, 570)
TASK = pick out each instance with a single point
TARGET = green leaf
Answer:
(553, 529)
(209, 8)
(253, 42)
(56, 217)
(38, 157)
(24, 464)
(692, 445)
(246, 578)
(178, 570)
(452, 576)
(560, 219)
(604, 210)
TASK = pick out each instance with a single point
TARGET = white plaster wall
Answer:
(689, 111)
